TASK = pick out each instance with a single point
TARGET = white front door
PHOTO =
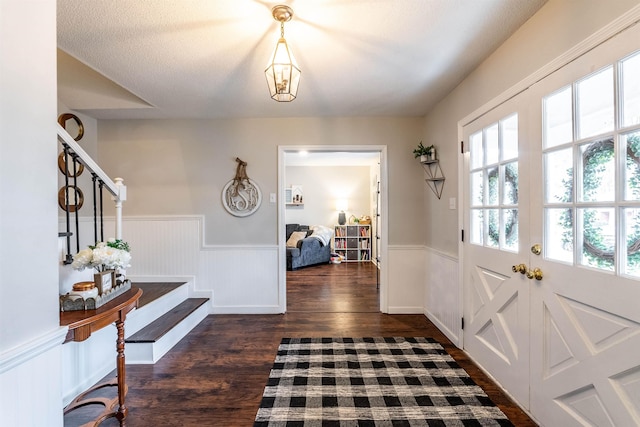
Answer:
(496, 308)
(585, 312)
(564, 338)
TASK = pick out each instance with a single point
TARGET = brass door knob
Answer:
(520, 268)
(535, 273)
(536, 249)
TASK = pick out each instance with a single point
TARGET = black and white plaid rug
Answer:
(371, 382)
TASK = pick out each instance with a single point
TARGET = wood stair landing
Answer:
(164, 316)
(153, 291)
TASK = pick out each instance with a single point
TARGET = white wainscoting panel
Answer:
(406, 279)
(87, 362)
(442, 297)
(32, 373)
(244, 279)
(239, 278)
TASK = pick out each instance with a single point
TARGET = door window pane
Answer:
(477, 226)
(632, 237)
(598, 172)
(494, 228)
(631, 144)
(630, 70)
(509, 137)
(558, 170)
(558, 122)
(491, 139)
(510, 221)
(595, 104)
(476, 151)
(559, 234)
(510, 193)
(598, 231)
(477, 184)
(493, 184)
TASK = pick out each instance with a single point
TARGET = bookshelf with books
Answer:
(353, 242)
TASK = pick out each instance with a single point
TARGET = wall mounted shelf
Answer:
(435, 177)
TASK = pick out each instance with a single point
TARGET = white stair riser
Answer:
(149, 353)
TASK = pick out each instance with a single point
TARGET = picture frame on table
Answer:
(105, 280)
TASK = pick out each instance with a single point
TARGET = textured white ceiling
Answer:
(206, 58)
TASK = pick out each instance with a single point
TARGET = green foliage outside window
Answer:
(598, 250)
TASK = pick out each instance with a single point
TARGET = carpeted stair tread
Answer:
(159, 327)
(154, 290)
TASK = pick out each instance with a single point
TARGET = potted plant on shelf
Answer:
(424, 153)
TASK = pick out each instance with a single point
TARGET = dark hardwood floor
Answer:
(215, 376)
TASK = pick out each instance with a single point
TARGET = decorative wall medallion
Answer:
(68, 195)
(240, 196)
(62, 165)
(62, 121)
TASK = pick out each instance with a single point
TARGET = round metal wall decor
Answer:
(240, 196)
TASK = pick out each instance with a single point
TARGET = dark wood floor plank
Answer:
(215, 376)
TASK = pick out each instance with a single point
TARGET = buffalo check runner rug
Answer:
(375, 382)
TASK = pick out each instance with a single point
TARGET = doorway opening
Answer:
(341, 189)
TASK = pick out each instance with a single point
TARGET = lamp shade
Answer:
(342, 205)
(283, 73)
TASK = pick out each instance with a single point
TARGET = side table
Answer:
(81, 325)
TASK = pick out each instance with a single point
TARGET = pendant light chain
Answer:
(282, 29)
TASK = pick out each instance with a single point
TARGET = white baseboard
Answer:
(406, 310)
(272, 309)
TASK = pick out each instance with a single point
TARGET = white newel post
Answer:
(121, 197)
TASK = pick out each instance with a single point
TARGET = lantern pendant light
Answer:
(282, 72)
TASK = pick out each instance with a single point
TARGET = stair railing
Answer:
(101, 181)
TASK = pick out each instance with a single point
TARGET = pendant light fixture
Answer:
(282, 72)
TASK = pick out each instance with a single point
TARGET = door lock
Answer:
(520, 268)
(535, 273)
(531, 274)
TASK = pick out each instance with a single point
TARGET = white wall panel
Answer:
(406, 279)
(30, 374)
(442, 297)
(244, 279)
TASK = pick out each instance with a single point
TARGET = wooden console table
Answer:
(81, 324)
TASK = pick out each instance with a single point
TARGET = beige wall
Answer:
(322, 186)
(556, 28)
(175, 167)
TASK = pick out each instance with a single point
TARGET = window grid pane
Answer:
(631, 145)
(494, 188)
(591, 187)
(630, 70)
(558, 118)
(595, 104)
(632, 237)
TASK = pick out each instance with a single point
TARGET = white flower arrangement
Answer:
(110, 255)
